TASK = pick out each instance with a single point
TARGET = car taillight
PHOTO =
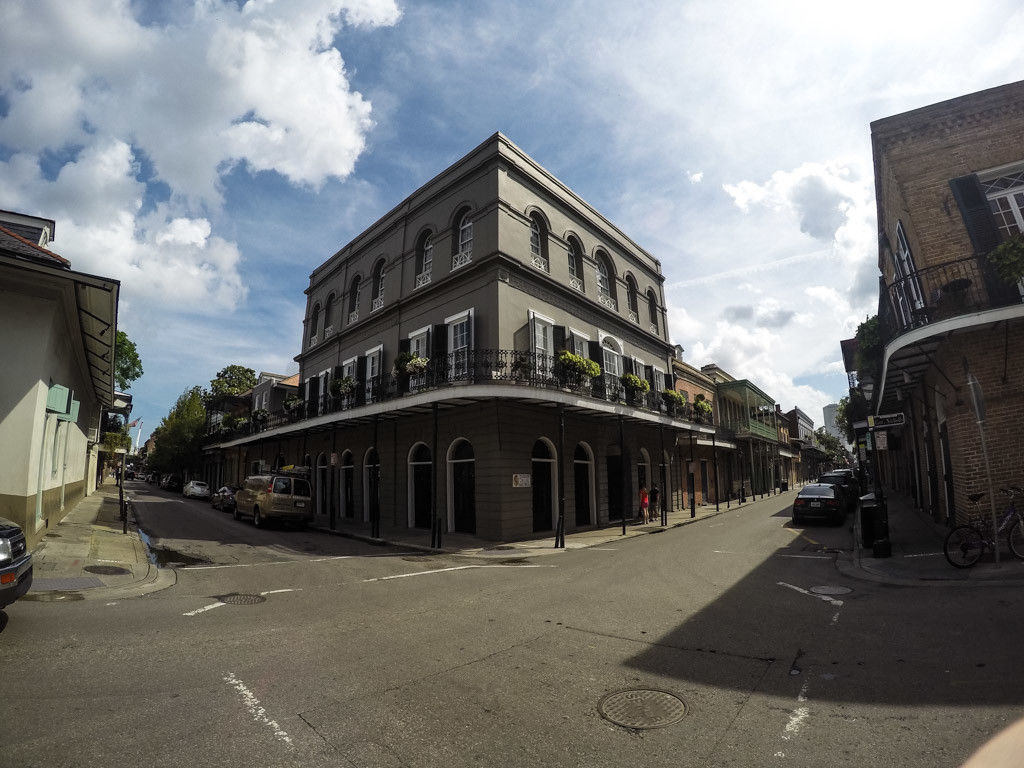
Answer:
(832, 503)
(799, 502)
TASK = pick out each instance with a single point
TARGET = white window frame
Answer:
(427, 265)
(543, 355)
(457, 366)
(420, 334)
(373, 355)
(605, 368)
(908, 289)
(465, 253)
(577, 337)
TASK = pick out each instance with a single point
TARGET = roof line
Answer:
(39, 248)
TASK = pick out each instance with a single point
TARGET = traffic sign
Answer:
(886, 420)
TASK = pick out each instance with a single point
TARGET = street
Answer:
(287, 647)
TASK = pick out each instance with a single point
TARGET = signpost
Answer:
(887, 420)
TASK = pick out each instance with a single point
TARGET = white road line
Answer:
(926, 554)
(287, 562)
(445, 570)
(835, 619)
(278, 591)
(259, 714)
(826, 598)
(799, 715)
(209, 607)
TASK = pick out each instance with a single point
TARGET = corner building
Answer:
(484, 275)
(949, 181)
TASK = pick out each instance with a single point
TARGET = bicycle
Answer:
(965, 544)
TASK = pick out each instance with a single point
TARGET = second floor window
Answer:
(538, 244)
(378, 287)
(353, 300)
(426, 262)
(314, 321)
(1006, 199)
(463, 252)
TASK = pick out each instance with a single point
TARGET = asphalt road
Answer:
(296, 648)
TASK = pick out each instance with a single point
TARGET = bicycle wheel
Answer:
(1015, 538)
(964, 546)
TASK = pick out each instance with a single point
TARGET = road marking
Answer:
(259, 714)
(278, 591)
(826, 598)
(808, 557)
(209, 607)
(925, 554)
(456, 568)
(287, 562)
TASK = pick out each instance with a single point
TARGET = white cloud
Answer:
(695, 177)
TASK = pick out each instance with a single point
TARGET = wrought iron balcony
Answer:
(502, 366)
(940, 292)
(423, 278)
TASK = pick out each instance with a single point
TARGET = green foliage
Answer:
(115, 439)
(233, 380)
(577, 364)
(339, 387)
(834, 449)
(850, 410)
(634, 383)
(260, 416)
(671, 396)
(1007, 259)
(870, 348)
(179, 438)
(702, 406)
(127, 365)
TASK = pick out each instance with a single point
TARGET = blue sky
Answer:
(210, 154)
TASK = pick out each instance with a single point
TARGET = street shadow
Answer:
(859, 641)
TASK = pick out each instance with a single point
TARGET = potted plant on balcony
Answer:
(701, 409)
(1007, 259)
(522, 367)
(635, 387)
(575, 370)
(260, 417)
(674, 401)
(293, 407)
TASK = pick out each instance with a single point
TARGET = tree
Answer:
(834, 449)
(868, 357)
(179, 437)
(233, 380)
(851, 409)
(127, 365)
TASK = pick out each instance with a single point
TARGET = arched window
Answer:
(575, 264)
(606, 282)
(652, 309)
(377, 288)
(539, 243)
(631, 299)
(329, 316)
(612, 357)
(462, 244)
(353, 300)
(314, 320)
(424, 260)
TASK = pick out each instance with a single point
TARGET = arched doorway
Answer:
(543, 484)
(461, 487)
(583, 476)
(371, 482)
(347, 490)
(321, 485)
(421, 483)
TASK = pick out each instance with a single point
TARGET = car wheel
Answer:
(257, 519)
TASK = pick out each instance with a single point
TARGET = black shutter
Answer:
(440, 347)
(339, 372)
(314, 396)
(302, 390)
(627, 365)
(404, 346)
(595, 354)
(649, 375)
(977, 215)
(670, 382)
(360, 380)
(559, 336)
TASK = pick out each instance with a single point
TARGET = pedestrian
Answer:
(655, 496)
(643, 503)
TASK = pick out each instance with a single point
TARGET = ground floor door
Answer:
(613, 465)
(422, 494)
(464, 496)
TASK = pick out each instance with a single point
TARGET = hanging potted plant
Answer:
(293, 407)
(701, 409)
(342, 387)
(260, 417)
(575, 370)
(522, 367)
(635, 387)
(674, 401)
(1007, 259)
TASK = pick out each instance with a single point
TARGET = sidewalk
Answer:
(87, 557)
(917, 555)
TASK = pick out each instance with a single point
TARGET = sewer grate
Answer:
(106, 570)
(642, 708)
(242, 599)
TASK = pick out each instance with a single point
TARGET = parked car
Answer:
(15, 563)
(819, 501)
(129, 474)
(196, 489)
(224, 498)
(846, 484)
(274, 496)
(172, 483)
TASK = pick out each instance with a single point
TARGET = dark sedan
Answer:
(819, 501)
(224, 498)
(846, 484)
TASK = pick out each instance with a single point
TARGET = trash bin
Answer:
(783, 485)
(874, 523)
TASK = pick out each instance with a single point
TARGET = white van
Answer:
(274, 497)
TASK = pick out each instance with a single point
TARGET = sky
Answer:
(210, 154)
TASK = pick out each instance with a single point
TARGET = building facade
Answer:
(448, 358)
(949, 183)
(58, 375)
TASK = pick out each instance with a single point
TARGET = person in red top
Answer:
(644, 504)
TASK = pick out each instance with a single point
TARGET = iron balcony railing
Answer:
(941, 292)
(535, 371)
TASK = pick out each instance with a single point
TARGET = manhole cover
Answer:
(831, 590)
(106, 570)
(642, 708)
(242, 599)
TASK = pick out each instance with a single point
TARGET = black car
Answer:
(819, 501)
(846, 484)
(224, 498)
(174, 483)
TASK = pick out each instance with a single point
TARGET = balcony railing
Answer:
(423, 278)
(377, 303)
(944, 291)
(502, 366)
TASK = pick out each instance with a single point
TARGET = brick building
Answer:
(949, 182)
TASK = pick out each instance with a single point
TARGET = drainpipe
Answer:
(64, 463)
(39, 479)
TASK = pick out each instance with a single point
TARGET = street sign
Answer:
(881, 441)
(886, 420)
